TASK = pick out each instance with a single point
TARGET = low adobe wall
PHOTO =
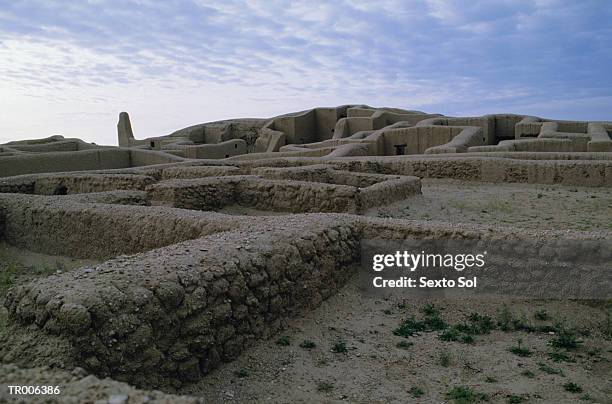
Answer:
(61, 226)
(73, 183)
(64, 161)
(285, 195)
(593, 173)
(168, 317)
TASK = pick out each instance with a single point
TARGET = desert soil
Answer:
(517, 205)
(376, 370)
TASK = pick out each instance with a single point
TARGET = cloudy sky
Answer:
(70, 67)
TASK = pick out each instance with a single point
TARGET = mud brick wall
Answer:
(297, 196)
(198, 172)
(85, 183)
(594, 173)
(196, 194)
(252, 191)
(61, 226)
(169, 316)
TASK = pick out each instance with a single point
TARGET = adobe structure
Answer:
(207, 241)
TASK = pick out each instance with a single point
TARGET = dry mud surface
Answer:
(517, 205)
(376, 370)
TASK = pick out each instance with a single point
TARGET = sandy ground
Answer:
(376, 370)
(519, 205)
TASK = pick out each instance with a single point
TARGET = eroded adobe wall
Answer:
(169, 316)
(61, 226)
(540, 168)
(64, 161)
(255, 192)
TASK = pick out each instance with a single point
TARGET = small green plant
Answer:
(410, 327)
(522, 324)
(451, 334)
(465, 395)
(307, 344)
(572, 387)
(324, 387)
(528, 373)
(566, 339)
(541, 315)
(454, 334)
(504, 319)
(490, 379)
(478, 324)
(404, 344)
(550, 370)
(515, 399)
(586, 397)
(467, 339)
(416, 392)
(430, 310)
(519, 350)
(387, 312)
(445, 359)
(558, 356)
(283, 341)
(241, 373)
(339, 347)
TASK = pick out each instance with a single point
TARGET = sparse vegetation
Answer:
(528, 373)
(520, 350)
(324, 386)
(465, 395)
(558, 356)
(416, 392)
(572, 387)
(541, 315)
(445, 359)
(566, 339)
(307, 344)
(404, 344)
(339, 347)
(515, 399)
(550, 370)
(241, 373)
(283, 341)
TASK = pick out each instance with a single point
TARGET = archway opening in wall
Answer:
(400, 149)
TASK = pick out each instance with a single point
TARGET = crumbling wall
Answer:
(307, 189)
(60, 226)
(162, 319)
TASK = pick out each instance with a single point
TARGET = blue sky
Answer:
(70, 67)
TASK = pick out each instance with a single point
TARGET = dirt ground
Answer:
(422, 368)
(347, 350)
(518, 205)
